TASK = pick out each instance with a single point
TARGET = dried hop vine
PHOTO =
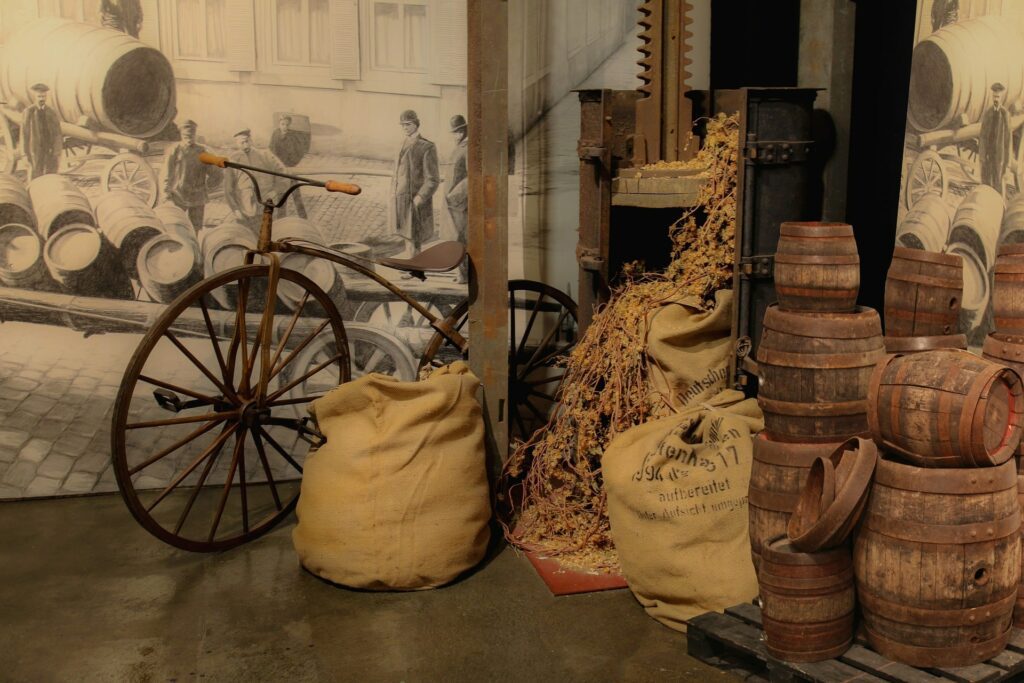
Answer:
(553, 480)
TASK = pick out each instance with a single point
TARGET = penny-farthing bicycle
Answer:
(210, 425)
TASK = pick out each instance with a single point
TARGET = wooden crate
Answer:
(733, 641)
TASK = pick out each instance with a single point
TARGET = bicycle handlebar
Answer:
(329, 185)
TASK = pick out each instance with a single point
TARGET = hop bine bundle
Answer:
(558, 497)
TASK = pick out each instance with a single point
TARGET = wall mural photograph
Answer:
(108, 216)
(963, 173)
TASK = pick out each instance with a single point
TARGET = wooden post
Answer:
(488, 215)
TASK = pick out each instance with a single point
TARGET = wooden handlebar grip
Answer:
(212, 159)
(347, 188)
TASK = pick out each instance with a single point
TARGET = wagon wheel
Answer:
(402, 321)
(222, 469)
(967, 156)
(129, 171)
(542, 332)
(927, 176)
(9, 151)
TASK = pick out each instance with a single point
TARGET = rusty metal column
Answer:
(595, 200)
(487, 161)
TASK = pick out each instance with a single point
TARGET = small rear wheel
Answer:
(206, 444)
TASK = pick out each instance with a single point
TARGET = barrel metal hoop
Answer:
(821, 409)
(976, 532)
(817, 259)
(908, 614)
(966, 481)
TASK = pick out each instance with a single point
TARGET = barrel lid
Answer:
(815, 229)
(927, 256)
(818, 523)
(863, 322)
(912, 344)
(20, 247)
(73, 246)
(789, 453)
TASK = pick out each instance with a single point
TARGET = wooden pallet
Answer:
(733, 641)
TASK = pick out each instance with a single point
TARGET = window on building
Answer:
(199, 29)
(399, 35)
(302, 32)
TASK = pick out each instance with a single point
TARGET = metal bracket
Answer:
(760, 266)
(778, 152)
(590, 259)
(590, 152)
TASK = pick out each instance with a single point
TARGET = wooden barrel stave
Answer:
(128, 223)
(926, 226)
(937, 570)
(1008, 290)
(58, 202)
(814, 370)
(15, 205)
(946, 408)
(923, 293)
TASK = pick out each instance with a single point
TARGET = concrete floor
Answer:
(89, 596)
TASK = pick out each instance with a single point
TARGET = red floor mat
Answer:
(563, 581)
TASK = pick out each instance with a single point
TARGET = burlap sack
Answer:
(677, 502)
(397, 499)
(688, 349)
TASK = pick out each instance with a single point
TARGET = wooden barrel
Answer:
(977, 285)
(174, 221)
(937, 562)
(82, 261)
(1008, 290)
(777, 476)
(128, 223)
(1012, 229)
(814, 370)
(817, 267)
(977, 222)
(1006, 350)
(15, 205)
(21, 258)
(105, 76)
(918, 344)
(923, 292)
(1018, 608)
(167, 266)
(953, 69)
(223, 248)
(322, 272)
(926, 225)
(58, 202)
(807, 602)
(946, 408)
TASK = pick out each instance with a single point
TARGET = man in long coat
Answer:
(290, 146)
(995, 141)
(458, 189)
(413, 185)
(238, 188)
(186, 179)
(41, 139)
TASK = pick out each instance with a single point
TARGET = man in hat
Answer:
(238, 188)
(458, 189)
(995, 142)
(41, 139)
(413, 185)
(289, 146)
(186, 179)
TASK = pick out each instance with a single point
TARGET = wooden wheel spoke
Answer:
(545, 380)
(512, 319)
(295, 382)
(195, 434)
(266, 466)
(539, 415)
(551, 355)
(529, 327)
(293, 401)
(176, 389)
(374, 360)
(298, 349)
(241, 481)
(288, 331)
(205, 417)
(277, 447)
(213, 340)
(195, 361)
(225, 492)
(548, 397)
(238, 335)
(210, 452)
(520, 423)
(546, 341)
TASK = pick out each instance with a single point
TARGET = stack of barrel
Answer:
(814, 359)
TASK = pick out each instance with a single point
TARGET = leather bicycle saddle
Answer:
(437, 259)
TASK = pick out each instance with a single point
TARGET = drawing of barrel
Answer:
(321, 272)
(1012, 229)
(21, 258)
(128, 223)
(175, 222)
(58, 202)
(103, 75)
(15, 205)
(168, 265)
(926, 225)
(83, 261)
(223, 248)
(953, 70)
(973, 236)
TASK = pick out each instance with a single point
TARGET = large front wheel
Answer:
(207, 443)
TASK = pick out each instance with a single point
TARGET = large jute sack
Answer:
(397, 499)
(688, 349)
(677, 503)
